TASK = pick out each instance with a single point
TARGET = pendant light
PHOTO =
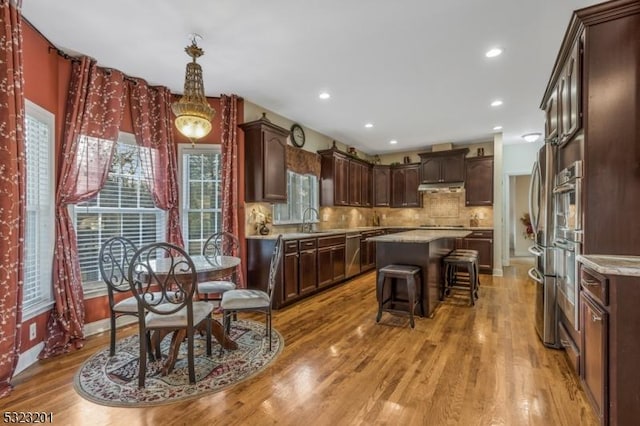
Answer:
(193, 112)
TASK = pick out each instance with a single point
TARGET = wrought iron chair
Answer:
(220, 244)
(168, 269)
(244, 299)
(113, 259)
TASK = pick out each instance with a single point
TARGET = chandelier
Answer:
(193, 112)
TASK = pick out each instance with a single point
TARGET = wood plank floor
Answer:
(467, 366)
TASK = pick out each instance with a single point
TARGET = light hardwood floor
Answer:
(467, 366)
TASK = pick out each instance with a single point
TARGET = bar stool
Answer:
(453, 281)
(471, 253)
(412, 277)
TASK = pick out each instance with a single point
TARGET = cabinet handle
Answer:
(595, 318)
(590, 283)
(564, 343)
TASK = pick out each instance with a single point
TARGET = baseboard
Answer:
(103, 325)
(497, 272)
(28, 357)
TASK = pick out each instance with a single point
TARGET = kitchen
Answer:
(451, 209)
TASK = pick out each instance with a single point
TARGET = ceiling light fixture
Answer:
(193, 112)
(324, 95)
(531, 137)
(497, 128)
(368, 125)
(496, 103)
(492, 53)
(393, 142)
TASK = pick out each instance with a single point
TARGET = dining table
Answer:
(208, 268)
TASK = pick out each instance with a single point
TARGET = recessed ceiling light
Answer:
(496, 103)
(324, 95)
(368, 125)
(393, 142)
(531, 137)
(497, 128)
(492, 53)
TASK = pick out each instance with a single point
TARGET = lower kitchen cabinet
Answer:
(308, 266)
(368, 250)
(290, 270)
(331, 260)
(482, 241)
(610, 325)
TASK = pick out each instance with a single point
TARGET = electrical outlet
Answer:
(32, 331)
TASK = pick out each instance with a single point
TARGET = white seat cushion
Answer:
(244, 299)
(130, 304)
(178, 319)
(209, 287)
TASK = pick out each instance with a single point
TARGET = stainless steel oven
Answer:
(568, 238)
(568, 203)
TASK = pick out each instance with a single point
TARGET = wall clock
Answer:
(297, 135)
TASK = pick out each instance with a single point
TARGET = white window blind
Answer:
(302, 193)
(123, 207)
(39, 222)
(202, 195)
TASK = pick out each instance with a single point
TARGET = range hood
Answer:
(441, 187)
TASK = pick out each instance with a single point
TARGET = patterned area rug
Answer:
(113, 381)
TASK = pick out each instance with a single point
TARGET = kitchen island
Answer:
(423, 248)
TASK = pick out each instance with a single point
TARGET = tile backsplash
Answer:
(438, 209)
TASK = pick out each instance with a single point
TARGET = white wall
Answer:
(518, 160)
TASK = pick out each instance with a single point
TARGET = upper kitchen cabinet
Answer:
(381, 186)
(266, 153)
(479, 181)
(443, 166)
(334, 178)
(345, 181)
(562, 101)
(404, 186)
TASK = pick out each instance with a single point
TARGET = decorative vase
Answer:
(263, 230)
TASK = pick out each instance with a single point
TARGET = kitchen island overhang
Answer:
(423, 248)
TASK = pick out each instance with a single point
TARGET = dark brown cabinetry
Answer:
(443, 166)
(366, 183)
(368, 250)
(404, 186)
(381, 186)
(299, 267)
(609, 325)
(331, 260)
(344, 181)
(479, 181)
(266, 152)
(482, 241)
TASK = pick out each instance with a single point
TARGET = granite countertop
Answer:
(420, 236)
(611, 264)
(328, 232)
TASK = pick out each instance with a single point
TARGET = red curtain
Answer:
(229, 106)
(12, 189)
(95, 105)
(153, 127)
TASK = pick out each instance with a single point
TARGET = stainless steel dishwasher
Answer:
(352, 254)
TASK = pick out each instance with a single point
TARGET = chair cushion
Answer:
(208, 287)
(179, 319)
(130, 304)
(244, 299)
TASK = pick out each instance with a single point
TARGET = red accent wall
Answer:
(47, 77)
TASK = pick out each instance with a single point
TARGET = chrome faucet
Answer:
(308, 226)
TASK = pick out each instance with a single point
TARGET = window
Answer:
(201, 194)
(302, 193)
(123, 207)
(39, 222)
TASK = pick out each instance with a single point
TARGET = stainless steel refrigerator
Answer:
(542, 217)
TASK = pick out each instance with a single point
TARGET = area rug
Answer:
(113, 381)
